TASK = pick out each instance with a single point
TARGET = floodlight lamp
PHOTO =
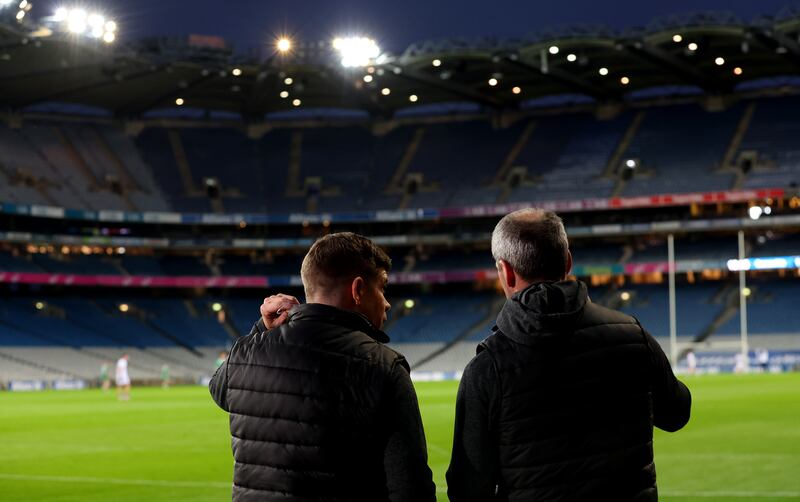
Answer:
(124, 307)
(297, 102)
(284, 94)
(386, 91)
(630, 163)
(288, 81)
(493, 81)
(236, 72)
(436, 62)
(60, 14)
(516, 90)
(413, 98)
(692, 46)
(625, 80)
(216, 307)
(572, 58)
(39, 305)
(719, 61)
(20, 15)
(368, 78)
(283, 44)
(677, 38)
(625, 296)
(553, 49)
(356, 51)
(603, 71)
(755, 212)
(409, 304)
(109, 37)
(179, 101)
(737, 71)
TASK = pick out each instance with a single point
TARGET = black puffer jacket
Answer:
(569, 392)
(320, 410)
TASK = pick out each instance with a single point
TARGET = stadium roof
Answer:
(713, 54)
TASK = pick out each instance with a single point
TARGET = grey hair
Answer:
(534, 242)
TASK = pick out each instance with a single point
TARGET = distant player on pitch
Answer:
(105, 379)
(122, 379)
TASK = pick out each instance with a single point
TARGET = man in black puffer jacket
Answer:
(319, 408)
(560, 401)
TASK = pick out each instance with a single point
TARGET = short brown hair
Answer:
(341, 257)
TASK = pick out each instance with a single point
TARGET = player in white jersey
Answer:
(691, 362)
(122, 378)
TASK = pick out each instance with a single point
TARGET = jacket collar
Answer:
(333, 315)
(543, 310)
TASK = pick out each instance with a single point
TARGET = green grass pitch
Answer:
(743, 443)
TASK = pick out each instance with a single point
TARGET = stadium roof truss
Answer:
(711, 54)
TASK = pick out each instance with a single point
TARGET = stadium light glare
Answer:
(39, 305)
(60, 14)
(692, 46)
(284, 94)
(111, 26)
(356, 51)
(493, 81)
(737, 71)
(572, 58)
(386, 91)
(677, 38)
(95, 21)
(124, 307)
(516, 90)
(436, 62)
(553, 50)
(719, 61)
(288, 81)
(413, 98)
(20, 15)
(109, 37)
(625, 296)
(368, 78)
(767, 210)
(236, 72)
(409, 304)
(23, 4)
(297, 102)
(746, 291)
(121, 250)
(603, 71)
(179, 101)
(630, 163)
(755, 212)
(283, 44)
(216, 307)
(625, 80)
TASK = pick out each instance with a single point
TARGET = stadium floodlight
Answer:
(5, 3)
(124, 307)
(677, 38)
(630, 163)
(719, 61)
(692, 46)
(603, 71)
(755, 212)
(409, 304)
(625, 81)
(572, 58)
(39, 305)
(625, 296)
(516, 89)
(216, 307)
(493, 81)
(356, 51)
(413, 98)
(386, 91)
(746, 291)
(288, 81)
(236, 72)
(767, 210)
(284, 94)
(436, 62)
(179, 101)
(80, 22)
(368, 78)
(20, 15)
(297, 102)
(283, 44)
(737, 71)
(553, 49)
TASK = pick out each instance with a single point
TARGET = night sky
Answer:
(395, 24)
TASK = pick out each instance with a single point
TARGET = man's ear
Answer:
(507, 273)
(569, 264)
(357, 289)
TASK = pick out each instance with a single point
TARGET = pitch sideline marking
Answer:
(118, 481)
